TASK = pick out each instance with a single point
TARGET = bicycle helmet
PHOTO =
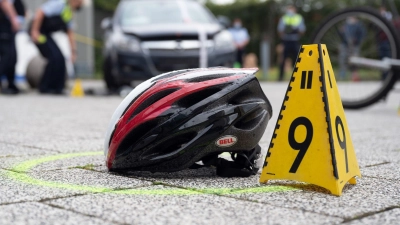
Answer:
(177, 120)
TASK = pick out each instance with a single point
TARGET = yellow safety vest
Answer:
(67, 13)
(293, 21)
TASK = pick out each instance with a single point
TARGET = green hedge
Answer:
(107, 5)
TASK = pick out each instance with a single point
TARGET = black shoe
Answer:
(59, 92)
(52, 92)
(10, 91)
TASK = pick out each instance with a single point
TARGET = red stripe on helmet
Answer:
(124, 126)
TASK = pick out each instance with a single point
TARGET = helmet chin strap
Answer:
(244, 163)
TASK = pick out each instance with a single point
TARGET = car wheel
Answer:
(110, 81)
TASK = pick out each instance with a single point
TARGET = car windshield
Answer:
(161, 12)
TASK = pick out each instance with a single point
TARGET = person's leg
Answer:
(342, 61)
(46, 53)
(384, 51)
(282, 66)
(4, 39)
(10, 67)
(59, 68)
(239, 57)
(355, 74)
(2, 59)
(54, 74)
(294, 50)
(8, 59)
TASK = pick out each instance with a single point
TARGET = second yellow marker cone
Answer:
(77, 89)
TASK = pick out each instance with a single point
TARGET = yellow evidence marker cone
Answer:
(311, 142)
(77, 89)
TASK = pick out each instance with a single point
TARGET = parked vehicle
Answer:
(148, 37)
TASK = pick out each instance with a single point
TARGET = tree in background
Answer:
(107, 5)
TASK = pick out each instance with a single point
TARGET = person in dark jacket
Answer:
(52, 16)
(10, 12)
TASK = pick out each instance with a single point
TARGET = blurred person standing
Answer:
(383, 40)
(241, 38)
(352, 34)
(11, 16)
(52, 16)
(290, 28)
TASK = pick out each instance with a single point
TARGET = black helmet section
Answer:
(188, 131)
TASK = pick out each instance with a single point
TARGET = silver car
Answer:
(148, 37)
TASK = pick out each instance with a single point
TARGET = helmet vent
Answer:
(243, 96)
(137, 133)
(133, 100)
(194, 98)
(169, 147)
(151, 100)
(206, 78)
(251, 120)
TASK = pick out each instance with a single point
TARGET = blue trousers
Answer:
(290, 50)
(8, 58)
(384, 51)
(53, 80)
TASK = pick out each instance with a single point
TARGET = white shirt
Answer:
(239, 35)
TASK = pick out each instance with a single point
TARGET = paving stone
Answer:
(369, 163)
(81, 161)
(379, 150)
(385, 171)
(368, 195)
(18, 191)
(37, 213)
(389, 217)
(12, 150)
(72, 145)
(89, 178)
(185, 209)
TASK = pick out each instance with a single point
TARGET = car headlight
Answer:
(126, 43)
(224, 41)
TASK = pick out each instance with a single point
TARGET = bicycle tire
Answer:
(389, 82)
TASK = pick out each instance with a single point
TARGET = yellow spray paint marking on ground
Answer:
(20, 173)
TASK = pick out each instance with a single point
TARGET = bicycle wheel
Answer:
(358, 39)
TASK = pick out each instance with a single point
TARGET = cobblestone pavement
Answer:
(52, 172)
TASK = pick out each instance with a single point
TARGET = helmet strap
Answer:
(244, 163)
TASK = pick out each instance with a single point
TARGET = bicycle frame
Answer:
(384, 65)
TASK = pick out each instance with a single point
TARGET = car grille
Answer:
(166, 64)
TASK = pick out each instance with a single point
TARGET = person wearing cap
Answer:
(52, 16)
(290, 28)
(10, 12)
